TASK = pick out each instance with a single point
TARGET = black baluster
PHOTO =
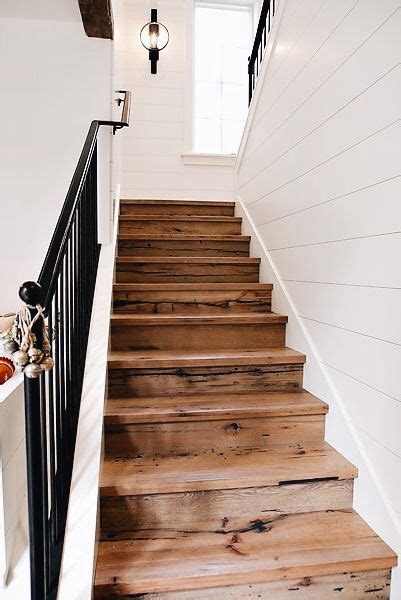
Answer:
(31, 293)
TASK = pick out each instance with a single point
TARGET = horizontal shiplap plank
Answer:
(156, 129)
(368, 311)
(373, 362)
(166, 78)
(161, 181)
(177, 194)
(147, 147)
(158, 112)
(350, 90)
(370, 410)
(344, 130)
(352, 34)
(317, 35)
(139, 60)
(386, 468)
(295, 25)
(340, 218)
(172, 96)
(341, 175)
(352, 262)
(167, 164)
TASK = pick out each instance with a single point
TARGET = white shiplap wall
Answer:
(151, 149)
(319, 175)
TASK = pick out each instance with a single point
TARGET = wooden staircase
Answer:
(217, 482)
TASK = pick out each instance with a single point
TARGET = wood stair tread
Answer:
(126, 287)
(162, 409)
(199, 260)
(122, 319)
(221, 470)
(184, 236)
(178, 202)
(290, 546)
(182, 218)
(167, 358)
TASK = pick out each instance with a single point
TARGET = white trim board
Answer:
(300, 334)
(80, 543)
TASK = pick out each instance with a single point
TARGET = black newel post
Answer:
(30, 292)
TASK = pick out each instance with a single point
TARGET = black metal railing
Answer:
(65, 290)
(258, 49)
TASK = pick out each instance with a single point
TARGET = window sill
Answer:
(217, 160)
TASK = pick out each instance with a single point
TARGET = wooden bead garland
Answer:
(24, 343)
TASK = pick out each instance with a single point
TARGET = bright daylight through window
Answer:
(222, 43)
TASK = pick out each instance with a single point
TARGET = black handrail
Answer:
(65, 290)
(263, 29)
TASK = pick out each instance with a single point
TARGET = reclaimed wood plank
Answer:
(297, 546)
(225, 469)
(184, 298)
(232, 510)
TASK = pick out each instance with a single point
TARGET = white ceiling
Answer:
(47, 10)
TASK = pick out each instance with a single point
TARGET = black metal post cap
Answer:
(30, 292)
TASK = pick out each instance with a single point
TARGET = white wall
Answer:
(319, 176)
(54, 81)
(151, 162)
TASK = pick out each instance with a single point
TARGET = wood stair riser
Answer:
(225, 209)
(195, 226)
(358, 585)
(184, 247)
(161, 439)
(131, 382)
(197, 337)
(257, 508)
(289, 550)
(186, 272)
(183, 301)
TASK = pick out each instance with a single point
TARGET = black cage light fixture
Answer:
(154, 37)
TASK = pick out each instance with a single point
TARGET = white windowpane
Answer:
(234, 102)
(207, 134)
(222, 41)
(234, 65)
(208, 100)
(231, 135)
(208, 62)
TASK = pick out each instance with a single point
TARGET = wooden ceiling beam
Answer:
(97, 18)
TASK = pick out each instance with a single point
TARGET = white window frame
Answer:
(189, 156)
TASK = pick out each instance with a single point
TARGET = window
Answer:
(222, 42)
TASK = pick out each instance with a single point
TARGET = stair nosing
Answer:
(201, 476)
(362, 551)
(198, 260)
(190, 286)
(185, 236)
(161, 202)
(184, 218)
(190, 319)
(199, 408)
(118, 359)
